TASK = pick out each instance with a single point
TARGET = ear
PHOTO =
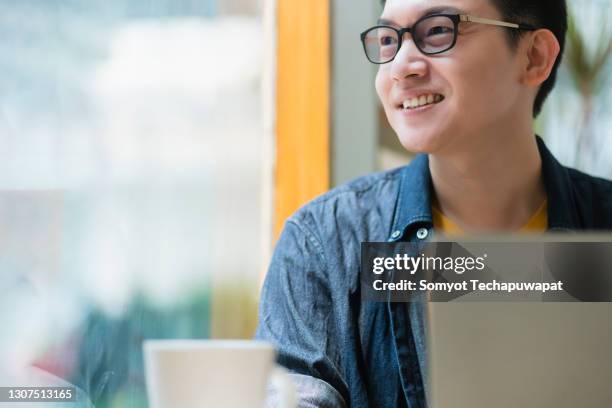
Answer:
(541, 51)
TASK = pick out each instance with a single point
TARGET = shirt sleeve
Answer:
(296, 315)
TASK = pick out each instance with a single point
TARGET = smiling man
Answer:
(461, 82)
(486, 78)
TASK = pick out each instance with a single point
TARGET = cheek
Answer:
(485, 90)
(382, 84)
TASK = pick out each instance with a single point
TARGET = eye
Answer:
(439, 30)
(387, 40)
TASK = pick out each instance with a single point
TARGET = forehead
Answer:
(407, 11)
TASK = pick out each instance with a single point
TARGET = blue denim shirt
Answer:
(345, 352)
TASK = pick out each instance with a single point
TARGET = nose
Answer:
(409, 61)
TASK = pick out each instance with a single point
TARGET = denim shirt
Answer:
(345, 352)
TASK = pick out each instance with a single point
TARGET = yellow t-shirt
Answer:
(537, 224)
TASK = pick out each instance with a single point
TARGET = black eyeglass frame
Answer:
(455, 18)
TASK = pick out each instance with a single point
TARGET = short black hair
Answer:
(549, 14)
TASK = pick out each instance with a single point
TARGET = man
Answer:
(460, 81)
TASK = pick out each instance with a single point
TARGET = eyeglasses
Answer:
(431, 34)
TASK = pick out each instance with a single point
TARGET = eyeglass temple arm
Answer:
(472, 19)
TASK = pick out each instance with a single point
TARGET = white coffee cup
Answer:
(213, 373)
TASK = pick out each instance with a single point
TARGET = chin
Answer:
(423, 141)
(424, 130)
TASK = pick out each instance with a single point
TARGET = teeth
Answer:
(422, 101)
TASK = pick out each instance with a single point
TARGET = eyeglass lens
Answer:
(431, 35)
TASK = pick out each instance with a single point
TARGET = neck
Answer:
(495, 184)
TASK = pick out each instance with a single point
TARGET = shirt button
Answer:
(395, 234)
(422, 233)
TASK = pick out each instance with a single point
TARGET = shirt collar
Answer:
(562, 209)
(413, 205)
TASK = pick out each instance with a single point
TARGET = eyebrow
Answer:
(428, 12)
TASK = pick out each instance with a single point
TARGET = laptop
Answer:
(521, 354)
